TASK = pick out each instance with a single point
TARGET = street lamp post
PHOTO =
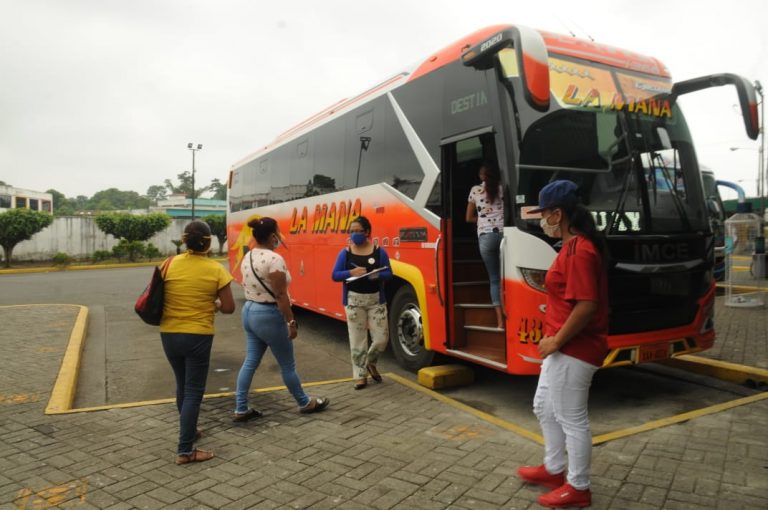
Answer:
(191, 146)
(763, 179)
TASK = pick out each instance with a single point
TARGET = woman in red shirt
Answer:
(573, 347)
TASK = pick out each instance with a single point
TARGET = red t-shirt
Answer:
(577, 274)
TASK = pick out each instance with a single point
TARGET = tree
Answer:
(185, 186)
(218, 224)
(112, 199)
(134, 229)
(62, 206)
(155, 193)
(18, 225)
(219, 190)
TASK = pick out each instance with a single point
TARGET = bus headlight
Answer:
(534, 278)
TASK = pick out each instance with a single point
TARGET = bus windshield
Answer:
(623, 140)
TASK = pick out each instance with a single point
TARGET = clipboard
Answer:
(369, 273)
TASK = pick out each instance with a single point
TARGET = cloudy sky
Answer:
(106, 93)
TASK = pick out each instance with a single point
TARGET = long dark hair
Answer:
(263, 228)
(197, 236)
(582, 222)
(492, 180)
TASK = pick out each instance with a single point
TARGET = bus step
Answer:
(469, 270)
(471, 292)
(476, 314)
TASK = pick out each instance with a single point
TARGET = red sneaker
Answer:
(540, 476)
(566, 496)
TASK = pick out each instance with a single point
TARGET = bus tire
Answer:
(405, 331)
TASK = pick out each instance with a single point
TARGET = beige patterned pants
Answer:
(364, 313)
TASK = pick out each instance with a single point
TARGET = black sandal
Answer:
(250, 414)
(375, 375)
(320, 403)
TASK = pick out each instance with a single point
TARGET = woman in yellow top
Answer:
(196, 287)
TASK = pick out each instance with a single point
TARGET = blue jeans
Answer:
(264, 327)
(189, 355)
(489, 251)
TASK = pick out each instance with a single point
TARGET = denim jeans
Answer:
(264, 327)
(560, 404)
(489, 250)
(189, 355)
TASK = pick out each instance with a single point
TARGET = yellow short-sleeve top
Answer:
(192, 284)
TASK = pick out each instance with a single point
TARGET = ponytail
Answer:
(197, 236)
(582, 222)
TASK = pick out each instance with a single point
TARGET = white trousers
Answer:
(560, 405)
(365, 313)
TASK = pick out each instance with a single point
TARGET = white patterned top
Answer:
(264, 262)
(489, 215)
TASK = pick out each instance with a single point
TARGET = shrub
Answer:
(61, 259)
(130, 249)
(151, 251)
(101, 255)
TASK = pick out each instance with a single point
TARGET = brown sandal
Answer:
(316, 404)
(197, 455)
(361, 383)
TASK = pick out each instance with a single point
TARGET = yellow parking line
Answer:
(63, 393)
(504, 424)
(742, 288)
(664, 422)
(723, 370)
(207, 396)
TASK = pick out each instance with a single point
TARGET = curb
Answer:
(63, 392)
(51, 269)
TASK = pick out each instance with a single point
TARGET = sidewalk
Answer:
(390, 446)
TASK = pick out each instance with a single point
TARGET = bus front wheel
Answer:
(406, 332)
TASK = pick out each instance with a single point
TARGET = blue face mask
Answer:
(358, 238)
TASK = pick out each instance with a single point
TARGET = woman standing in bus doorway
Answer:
(364, 299)
(573, 347)
(268, 320)
(486, 208)
(196, 287)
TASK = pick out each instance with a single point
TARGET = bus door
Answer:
(471, 328)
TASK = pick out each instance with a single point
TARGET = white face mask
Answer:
(549, 230)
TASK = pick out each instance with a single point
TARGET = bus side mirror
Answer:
(532, 57)
(714, 208)
(744, 89)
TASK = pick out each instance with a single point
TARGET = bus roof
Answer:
(556, 43)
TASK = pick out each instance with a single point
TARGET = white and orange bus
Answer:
(541, 106)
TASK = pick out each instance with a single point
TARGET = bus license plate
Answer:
(653, 352)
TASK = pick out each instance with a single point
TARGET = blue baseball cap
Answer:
(557, 194)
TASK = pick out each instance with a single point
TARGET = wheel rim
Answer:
(409, 331)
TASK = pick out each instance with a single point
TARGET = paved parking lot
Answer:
(391, 446)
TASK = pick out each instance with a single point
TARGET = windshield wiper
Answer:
(672, 184)
(618, 214)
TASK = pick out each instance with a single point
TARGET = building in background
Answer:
(179, 206)
(19, 198)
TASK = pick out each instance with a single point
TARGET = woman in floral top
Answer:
(486, 208)
(268, 320)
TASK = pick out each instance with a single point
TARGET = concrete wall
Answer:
(79, 237)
